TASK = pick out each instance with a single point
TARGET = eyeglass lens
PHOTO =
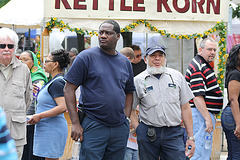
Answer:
(49, 61)
(10, 46)
(137, 56)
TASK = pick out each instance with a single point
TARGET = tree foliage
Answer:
(3, 2)
(236, 12)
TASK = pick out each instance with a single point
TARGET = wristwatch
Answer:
(191, 138)
(129, 120)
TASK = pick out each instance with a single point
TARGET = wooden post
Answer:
(216, 146)
(68, 148)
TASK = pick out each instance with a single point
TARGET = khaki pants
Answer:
(19, 152)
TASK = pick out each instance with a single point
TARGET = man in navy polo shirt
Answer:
(106, 80)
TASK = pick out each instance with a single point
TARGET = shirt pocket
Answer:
(149, 99)
(18, 88)
(18, 127)
(172, 95)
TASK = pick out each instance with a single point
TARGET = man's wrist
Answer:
(191, 138)
(129, 120)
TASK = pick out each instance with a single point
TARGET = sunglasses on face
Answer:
(137, 56)
(10, 46)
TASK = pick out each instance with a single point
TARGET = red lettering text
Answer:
(95, 5)
(159, 5)
(65, 3)
(216, 8)
(77, 6)
(194, 6)
(111, 5)
(123, 7)
(181, 10)
(135, 5)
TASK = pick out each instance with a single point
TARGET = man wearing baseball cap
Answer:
(162, 95)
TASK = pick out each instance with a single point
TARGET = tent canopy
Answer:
(22, 14)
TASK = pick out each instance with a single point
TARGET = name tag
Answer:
(171, 85)
(150, 88)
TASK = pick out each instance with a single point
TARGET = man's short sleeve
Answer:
(185, 94)
(135, 100)
(197, 84)
(130, 82)
(77, 72)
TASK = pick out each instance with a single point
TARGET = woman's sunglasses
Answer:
(10, 46)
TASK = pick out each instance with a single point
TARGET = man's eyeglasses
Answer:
(137, 56)
(210, 49)
(10, 46)
(49, 61)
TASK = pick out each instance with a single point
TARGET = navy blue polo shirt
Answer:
(105, 80)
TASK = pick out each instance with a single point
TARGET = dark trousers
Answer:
(101, 142)
(229, 125)
(28, 148)
(168, 143)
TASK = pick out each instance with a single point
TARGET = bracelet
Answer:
(129, 120)
(191, 138)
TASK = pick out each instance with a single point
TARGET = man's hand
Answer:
(202, 108)
(134, 120)
(191, 152)
(77, 132)
(209, 126)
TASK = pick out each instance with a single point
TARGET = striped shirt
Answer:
(203, 82)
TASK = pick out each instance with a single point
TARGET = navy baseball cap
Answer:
(152, 49)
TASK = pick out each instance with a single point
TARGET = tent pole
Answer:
(230, 21)
(28, 42)
(146, 41)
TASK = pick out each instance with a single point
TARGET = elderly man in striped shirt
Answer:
(208, 98)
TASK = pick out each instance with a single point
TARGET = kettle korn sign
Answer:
(174, 10)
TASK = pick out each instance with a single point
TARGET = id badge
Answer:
(171, 85)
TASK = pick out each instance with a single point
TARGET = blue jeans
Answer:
(229, 125)
(199, 126)
(131, 154)
(168, 143)
(103, 143)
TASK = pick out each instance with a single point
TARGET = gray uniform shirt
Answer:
(160, 99)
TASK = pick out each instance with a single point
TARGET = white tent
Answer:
(234, 23)
(22, 14)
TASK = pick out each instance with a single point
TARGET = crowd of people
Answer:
(132, 108)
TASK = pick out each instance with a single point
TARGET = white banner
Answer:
(156, 10)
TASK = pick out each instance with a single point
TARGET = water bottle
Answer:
(76, 150)
(38, 86)
(208, 140)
